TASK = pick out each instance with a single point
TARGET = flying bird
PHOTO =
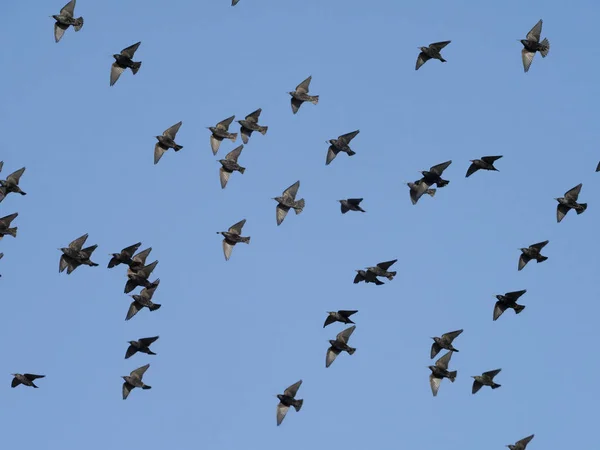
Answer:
(230, 165)
(139, 277)
(532, 252)
(569, 201)
(134, 379)
(5, 228)
(300, 95)
(65, 19)
(367, 276)
(250, 124)
(219, 132)
(485, 163)
(342, 316)
(532, 44)
(25, 379)
(144, 299)
(434, 176)
(444, 342)
(288, 399)
(440, 371)
(167, 141)
(141, 345)
(74, 256)
(287, 201)
(341, 144)
(433, 51)
(508, 300)
(416, 191)
(522, 444)
(351, 204)
(11, 184)
(139, 260)
(485, 379)
(381, 269)
(232, 237)
(123, 61)
(124, 256)
(340, 344)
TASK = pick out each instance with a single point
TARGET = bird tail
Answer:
(452, 376)
(242, 170)
(177, 147)
(314, 99)
(442, 183)
(22, 193)
(245, 240)
(93, 264)
(263, 130)
(351, 152)
(135, 66)
(496, 386)
(519, 308)
(430, 192)
(78, 23)
(233, 137)
(299, 206)
(298, 405)
(351, 350)
(150, 352)
(154, 307)
(390, 276)
(582, 208)
(442, 59)
(545, 47)
(542, 258)
(12, 231)
(146, 387)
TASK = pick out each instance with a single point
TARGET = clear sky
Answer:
(233, 334)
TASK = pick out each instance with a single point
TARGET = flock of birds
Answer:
(138, 272)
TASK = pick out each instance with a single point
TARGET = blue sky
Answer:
(233, 334)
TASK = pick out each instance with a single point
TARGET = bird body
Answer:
(124, 256)
(351, 204)
(134, 380)
(25, 379)
(143, 300)
(230, 165)
(416, 191)
(288, 201)
(124, 60)
(506, 301)
(568, 202)
(5, 228)
(444, 342)
(485, 379)
(167, 141)
(139, 277)
(342, 316)
(141, 345)
(300, 95)
(340, 344)
(11, 184)
(431, 52)
(250, 124)
(220, 132)
(74, 255)
(532, 44)
(532, 252)
(65, 19)
(288, 399)
(232, 237)
(522, 444)
(341, 144)
(485, 163)
(439, 371)
(367, 276)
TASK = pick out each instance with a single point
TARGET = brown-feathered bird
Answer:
(287, 201)
(65, 19)
(300, 95)
(568, 202)
(250, 124)
(485, 379)
(232, 237)
(341, 144)
(167, 141)
(440, 371)
(288, 399)
(139, 277)
(141, 345)
(433, 51)
(11, 184)
(144, 299)
(340, 344)
(351, 204)
(342, 316)
(5, 228)
(532, 44)
(124, 256)
(522, 444)
(219, 132)
(230, 165)
(134, 379)
(444, 342)
(25, 379)
(74, 256)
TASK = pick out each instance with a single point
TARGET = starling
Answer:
(485, 163)
(416, 192)
(444, 342)
(287, 201)
(5, 226)
(220, 132)
(341, 144)
(167, 141)
(351, 204)
(340, 344)
(300, 95)
(434, 176)
(232, 237)
(250, 124)
(11, 184)
(73, 256)
(522, 444)
(1, 256)
(134, 379)
(139, 277)
(439, 371)
(532, 44)
(230, 165)
(532, 252)
(124, 257)
(143, 299)
(508, 300)
(342, 316)
(123, 61)
(485, 379)
(64, 19)
(367, 276)
(286, 400)
(433, 51)
(141, 345)
(139, 261)
(25, 378)
(381, 269)
(569, 201)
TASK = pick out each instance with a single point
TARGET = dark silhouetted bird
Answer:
(74, 256)
(144, 299)
(367, 276)
(532, 252)
(219, 132)
(250, 124)
(433, 51)
(300, 95)
(232, 237)
(522, 444)
(340, 344)
(25, 378)
(141, 345)
(11, 184)
(440, 371)
(569, 201)
(341, 144)
(508, 300)
(123, 61)
(342, 316)
(434, 176)
(532, 44)
(134, 379)
(351, 204)
(288, 399)
(124, 257)
(381, 269)
(139, 277)
(485, 163)
(139, 261)
(485, 379)
(444, 342)
(230, 165)
(65, 19)
(167, 141)
(416, 191)
(287, 201)
(5, 228)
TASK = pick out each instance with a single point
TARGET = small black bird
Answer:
(532, 44)
(300, 95)
(230, 165)
(144, 299)
(141, 345)
(508, 300)
(532, 252)
(351, 204)
(445, 341)
(485, 163)
(11, 184)
(232, 237)
(341, 144)
(340, 344)
(522, 444)
(342, 316)
(64, 19)
(139, 261)
(139, 277)
(569, 201)
(288, 399)
(25, 379)
(440, 371)
(381, 269)
(287, 201)
(74, 256)
(123, 257)
(134, 379)
(485, 379)
(5, 228)
(167, 141)
(434, 176)
(416, 191)
(219, 132)
(124, 61)
(367, 276)
(433, 51)
(250, 124)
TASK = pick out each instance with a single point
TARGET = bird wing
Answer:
(303, 87)
(147, 293)
(32, 376)
(476, 386)
(130, 51)
(523, 260)
(527, 58)
(68, 9)
(515, 294)
(140, 258)
(347, 313)
(386, 265)
(140, 371)
(535, 33)
(234, 154)
(78, 243)
(115, 72)
(491, 159)
(332, 353)
(246, 133)
(15, 382)
(227, 249)
(331, 154)
(237, 228)
(355, 201)
(348, 136)
(147, 341)
(224, 177)
(59, 30)
(172, 131)
(435, 349)
(126, 389)
(215, 143)
(422, 59)
(330, 319)
(224, 124)
(438, 45)
(443, 362)
(133, 309)
(147, 270)
(89, 250)
(62, 265)
(129, 251)
(131, 350)
(253, 116)
(358, 278)
(472, 169)
(71, 264)
(523, 442)
(344, 336)
(6, 220)
(290, 193)
(296, 104)
(561, 212)
(281, 412)
(434, 382)
(293, 389)
(491, 373)
(16, 176)
(499, 308)
(451, 335)
(439, 168)
(539, 245)
(573, 194)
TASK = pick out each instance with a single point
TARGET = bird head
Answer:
(499, 297)
(523, 249)
(423, 49)
(116, 56)
(291, 93)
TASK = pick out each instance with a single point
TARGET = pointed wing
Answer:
(422, 59)
(224, 177)
(293, 389)
(527, 58)
(59, 30)
(234, 154)
(347, 313)
(535, 33)
(139, 372)
(71, 265)
(62, 265)
(141, 256)
(386, 265)
(523, 260)
(344, 336)
(452, 335)
(32, 376)
(129, 251)
(281, 412)
(472, 169)
(237, 228)
(491, 373)
(6, 220)
(443, 362)
(68, 9)
(348, 136)
(290, 193)
(523, 442)
(131, 350)
(115, 73)
(499, 308)
(130, 51)
(281, 212)
(215, 143)
(147, 270)
(253, 116)
(358, 278)
(16, 176)
(573, 194)
(126, 389)
(78, 243)
(246, 133)
(303, 87)
(476, 386)
(332, 353)
(133, 309)
(227, 249)
(491, 159)
(224, 124)
(296, 104)
(355, 201)
(331, 154)
(330, 319)
(515, 295)
(435, 384)
(147, 293)
(172, 131)
(439, 45)
(561, 212)
(439, 169)
(147, 341)
(15, 382)
(435, 349)
(89, 250)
